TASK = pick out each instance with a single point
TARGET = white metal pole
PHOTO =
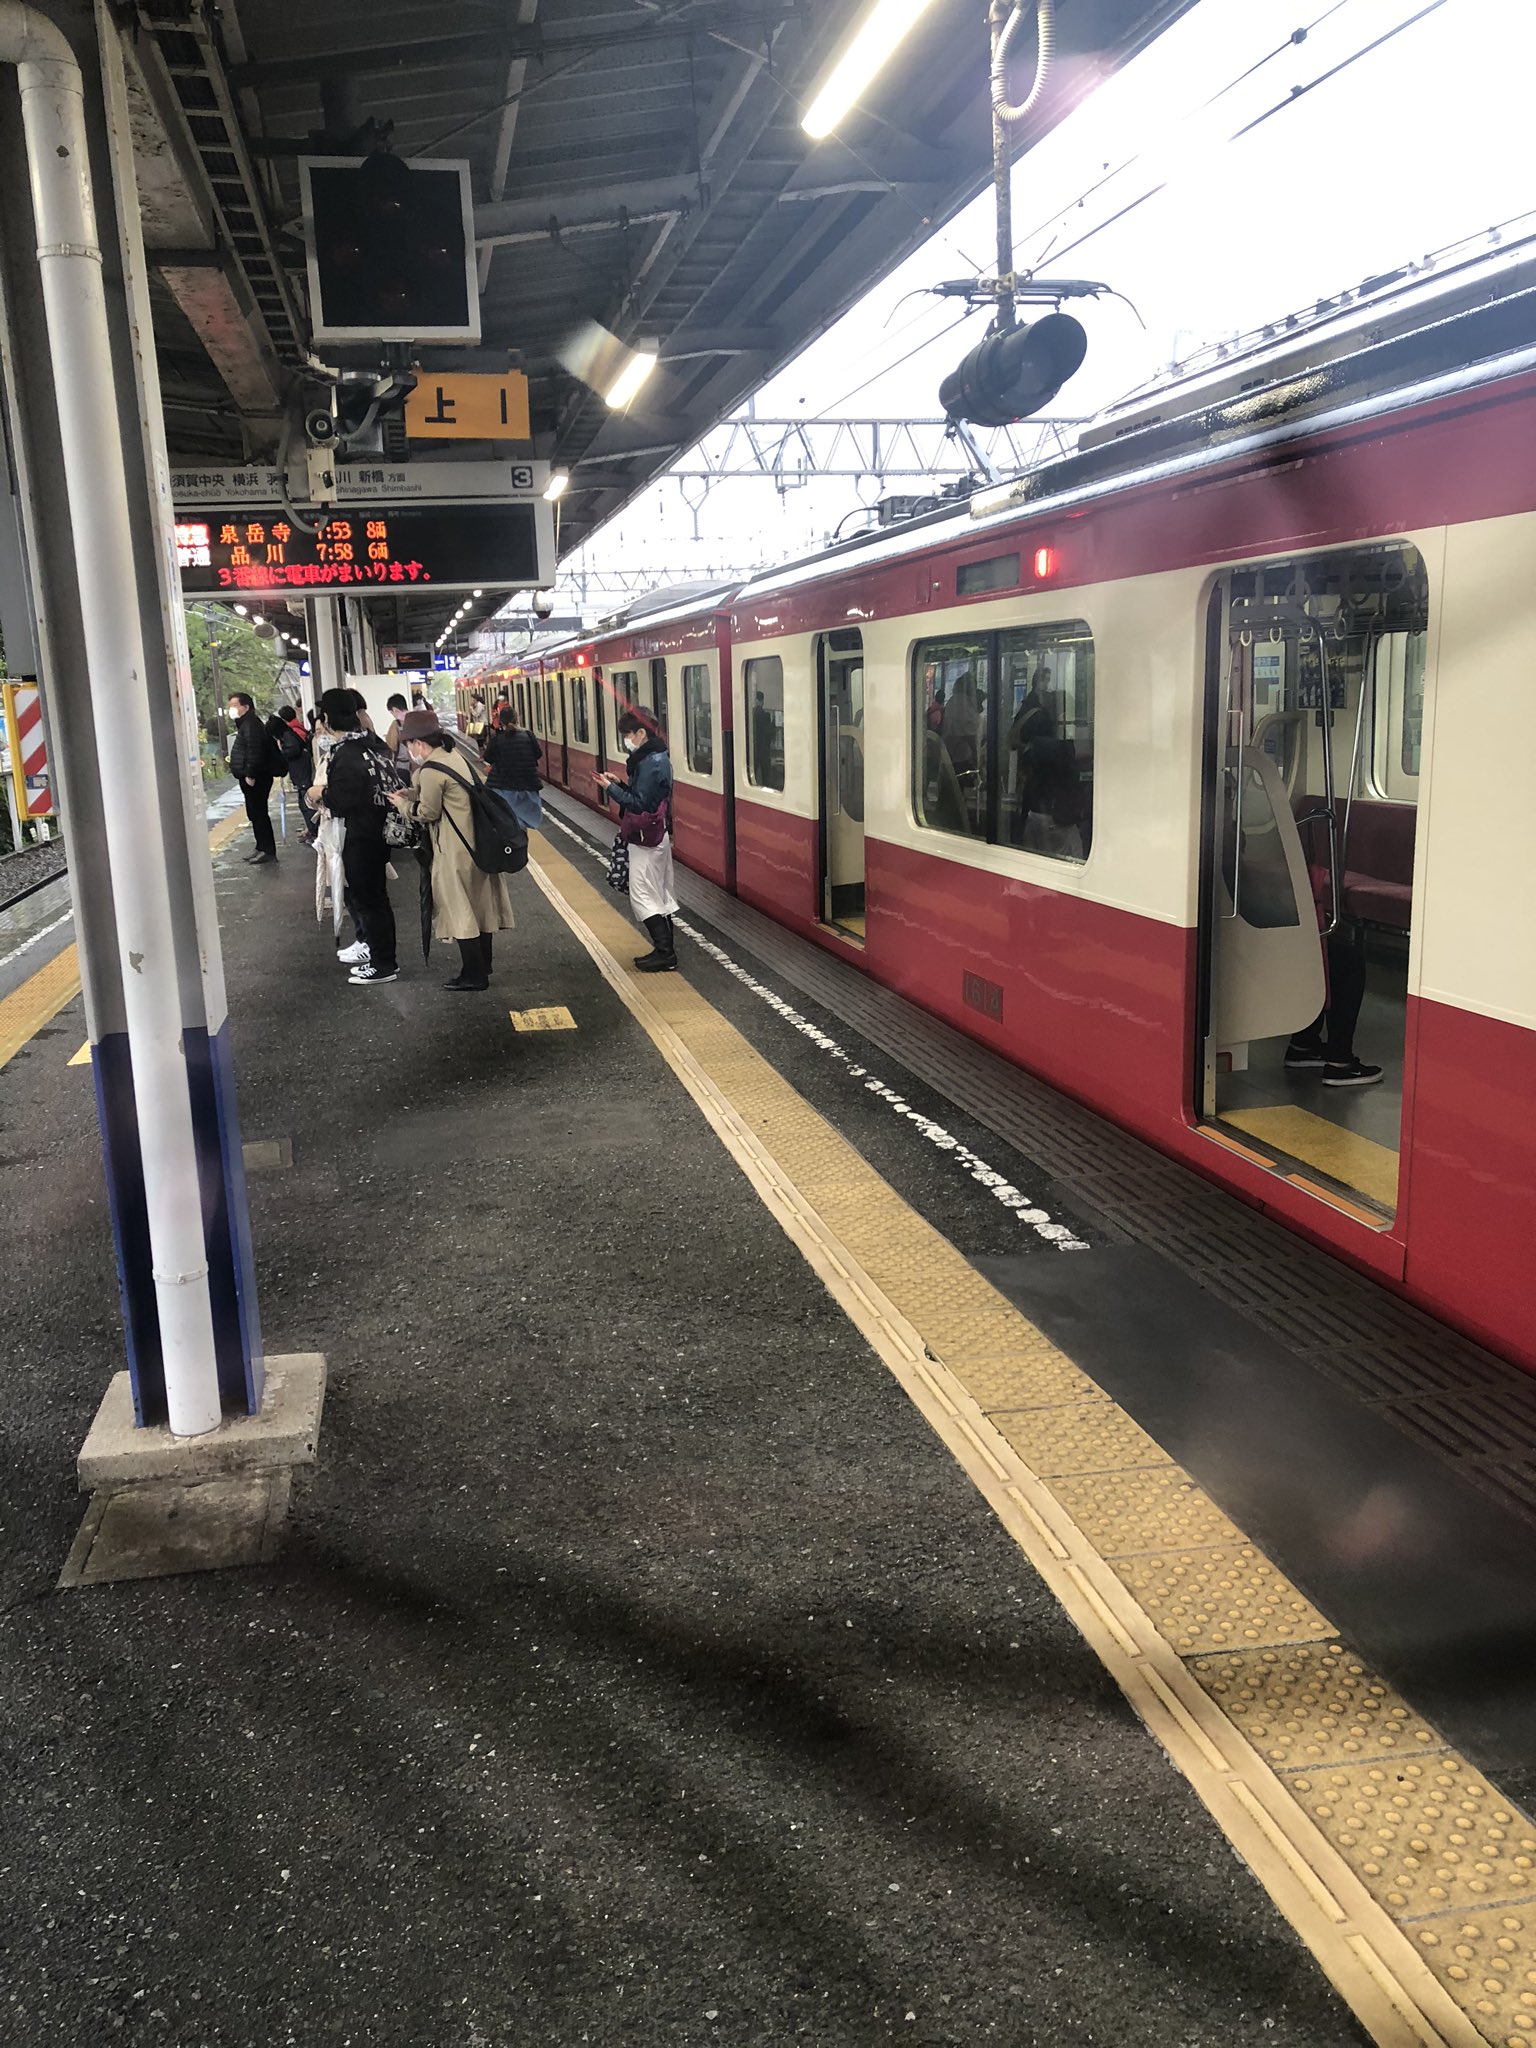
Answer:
(69, 258)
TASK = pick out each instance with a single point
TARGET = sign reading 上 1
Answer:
(469, 408)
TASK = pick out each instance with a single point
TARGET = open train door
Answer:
(840, 705)
(1307, 894)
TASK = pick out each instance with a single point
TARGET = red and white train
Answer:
(1083, 768)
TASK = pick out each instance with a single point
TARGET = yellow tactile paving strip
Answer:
(1411, 1880)
(25, 1011)
(38, 1001)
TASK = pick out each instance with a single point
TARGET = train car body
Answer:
(1133, 778)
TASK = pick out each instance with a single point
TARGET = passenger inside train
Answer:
(1321, 719)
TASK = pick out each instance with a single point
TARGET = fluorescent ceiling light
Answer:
(629, 380)
(885, 25)
(557, 483)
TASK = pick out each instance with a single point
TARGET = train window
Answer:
(698, 719)
(1012, 764)
(1044, 791)
(997, 572)
(659, 692)
(549, 700)
(626, 690)
(579, 716)
(951, 686)
(763, 685)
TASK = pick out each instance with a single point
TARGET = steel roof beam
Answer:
(477, 45)
(516, 220)
(506, 128)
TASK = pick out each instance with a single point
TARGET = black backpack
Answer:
(500, 845)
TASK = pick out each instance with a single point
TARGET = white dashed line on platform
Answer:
(1002, 1190)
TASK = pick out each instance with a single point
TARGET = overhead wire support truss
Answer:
(790, 451)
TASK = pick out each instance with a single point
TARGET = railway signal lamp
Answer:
(1013, 373)
(391, 249)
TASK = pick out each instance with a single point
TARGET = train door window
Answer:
(698, 718)
(1045, 740)
(763, 686)
(549, 705)
(626, 688)
(522, 705)
(579, 709)
(659, 692)
(1315, 694)
(1397, 712)
(951, 684)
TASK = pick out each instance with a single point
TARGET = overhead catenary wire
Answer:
(1291, 42)
(1292, 98)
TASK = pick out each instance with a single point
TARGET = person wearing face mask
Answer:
(468, 904)
(645, 824)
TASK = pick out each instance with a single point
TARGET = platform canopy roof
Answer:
(639, 163)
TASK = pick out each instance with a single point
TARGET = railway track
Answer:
(23, 874)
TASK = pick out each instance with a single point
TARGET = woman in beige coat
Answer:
(467, 904)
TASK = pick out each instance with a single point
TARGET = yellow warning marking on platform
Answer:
(1087, 1436)
(1425, 1832)
(1313, 1704)
(1489, 1960)
(553, 1018)
(1224, 1597)
(227, 830)
(900, 1282)
(1353, 1161)
(1122, 1513)
(82, 1058)
(25, 1011)
(37, 1002)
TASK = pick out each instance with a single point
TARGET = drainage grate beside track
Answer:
(1470, 1408)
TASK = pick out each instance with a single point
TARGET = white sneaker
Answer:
(355, 955)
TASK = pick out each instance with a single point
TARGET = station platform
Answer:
(815, 1538)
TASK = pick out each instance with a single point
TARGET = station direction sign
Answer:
(362, 482)
(346, 550)
(470, 405)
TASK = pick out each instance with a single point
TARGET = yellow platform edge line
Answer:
(1367, 1957)
(25, 1011)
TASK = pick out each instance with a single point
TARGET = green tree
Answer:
(227, 654)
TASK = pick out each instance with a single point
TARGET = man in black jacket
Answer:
(254, 761)
(352, 794)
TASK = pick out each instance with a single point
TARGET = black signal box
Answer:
(391, 249)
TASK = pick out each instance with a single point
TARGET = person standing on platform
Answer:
(255, 763)
(645, 825)
(467, 903)
(292, 742)
(353, 793)
(514, 757)
(397, 710)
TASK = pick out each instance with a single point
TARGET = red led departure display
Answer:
(447, 546)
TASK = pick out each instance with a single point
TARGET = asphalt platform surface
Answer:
(638, 1667)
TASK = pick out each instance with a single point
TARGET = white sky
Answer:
(1423, 141)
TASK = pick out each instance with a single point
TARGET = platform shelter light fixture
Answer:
(885, 26)
(559, 483)
(626, 387)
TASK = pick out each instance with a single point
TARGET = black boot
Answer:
(662, 958)
(470, 978)
(485, 954)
